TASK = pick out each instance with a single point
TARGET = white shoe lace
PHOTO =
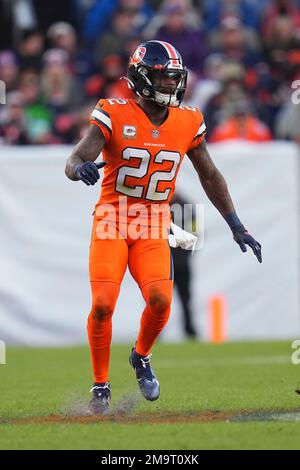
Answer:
(101, 387)
(146, 360)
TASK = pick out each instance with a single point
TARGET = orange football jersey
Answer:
(143, 160)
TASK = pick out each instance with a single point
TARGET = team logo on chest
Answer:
(155, 133)
(129, 132)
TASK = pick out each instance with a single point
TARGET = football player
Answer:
(143, 142)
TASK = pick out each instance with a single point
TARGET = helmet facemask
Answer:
(150, 84)
(164, 94)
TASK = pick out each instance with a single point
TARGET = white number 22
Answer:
(137, 190)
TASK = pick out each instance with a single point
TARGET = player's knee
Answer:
(102, 310)
(159, 302)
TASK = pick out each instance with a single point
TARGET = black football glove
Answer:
(243, 238)
(88, 172)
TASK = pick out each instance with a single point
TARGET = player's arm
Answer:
(80, 165)
(216, 189)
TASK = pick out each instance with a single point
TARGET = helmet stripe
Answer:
(172, 53)
(171, 50)
(164, 45)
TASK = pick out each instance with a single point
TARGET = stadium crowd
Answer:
(58, 58)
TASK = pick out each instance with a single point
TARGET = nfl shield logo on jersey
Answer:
(129, 132)
(155, 133)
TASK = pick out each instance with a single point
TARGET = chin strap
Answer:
(167, 100)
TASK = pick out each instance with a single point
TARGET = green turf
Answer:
(235, 378)
(123, 437)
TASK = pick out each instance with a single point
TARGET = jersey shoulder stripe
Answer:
(103, 118)
(201, 130)
(196, 130)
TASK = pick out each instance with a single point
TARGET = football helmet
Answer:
(150, 67)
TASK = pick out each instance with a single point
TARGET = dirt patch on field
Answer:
(114, 417)
(120, 415)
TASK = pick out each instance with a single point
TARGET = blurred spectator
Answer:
(288, 122)
(82, 121)
(191, 44)
(226, 58)
(130, 45)
(38, 117)
(113, 69)
(155, 4)
(241, 124)
(9, 70)
(71, 127)
(235, 42)
(248, 11)
(108, 83)
(192, 17)
(123, 26)
(199, 92)
(62, 35)
(18, 16)
(232, 89)
(288, 8)
(60, 89)
(282, 48)
(30, 50)
(12, 120)
(99, 16)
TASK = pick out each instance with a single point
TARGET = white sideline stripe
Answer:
(201, 129)
(258, 360)
(102, 117)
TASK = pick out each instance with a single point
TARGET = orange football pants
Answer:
(150, 264)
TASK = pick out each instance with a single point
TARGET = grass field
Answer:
(231, 396)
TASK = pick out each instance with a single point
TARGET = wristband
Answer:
(233, 221)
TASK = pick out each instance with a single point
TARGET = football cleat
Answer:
(148, 383)
(101, 397)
